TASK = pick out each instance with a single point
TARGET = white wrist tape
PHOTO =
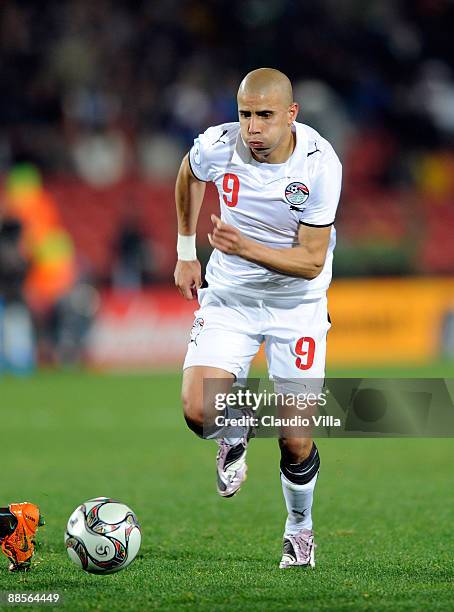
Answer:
(186, 248)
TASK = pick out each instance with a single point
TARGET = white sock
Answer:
(240, 432)
(298, 499)
(235, 433)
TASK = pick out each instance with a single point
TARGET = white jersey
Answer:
(267, 203)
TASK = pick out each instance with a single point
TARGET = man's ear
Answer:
(293, 111)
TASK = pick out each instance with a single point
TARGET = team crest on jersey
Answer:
(296, 193)
(196, 329)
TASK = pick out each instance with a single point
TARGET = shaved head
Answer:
(266, 81)
(266, 111)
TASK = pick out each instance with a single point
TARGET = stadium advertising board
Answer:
(375, 322)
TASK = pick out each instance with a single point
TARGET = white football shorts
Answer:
(229, 330)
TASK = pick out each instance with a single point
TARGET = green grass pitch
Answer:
(383, 510)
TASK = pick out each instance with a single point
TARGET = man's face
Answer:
(265, 121)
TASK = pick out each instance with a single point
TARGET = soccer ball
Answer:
(102, 536)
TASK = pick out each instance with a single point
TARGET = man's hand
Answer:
(188, 278)
(227, 238)
(303, 261)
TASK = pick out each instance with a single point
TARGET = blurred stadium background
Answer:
(100, 100)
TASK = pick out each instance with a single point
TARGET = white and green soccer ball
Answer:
(102, 536)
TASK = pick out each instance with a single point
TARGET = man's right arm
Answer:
(189, 192)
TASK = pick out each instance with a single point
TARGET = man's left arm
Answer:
(305, 260)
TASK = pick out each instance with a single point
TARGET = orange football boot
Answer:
(20, 545)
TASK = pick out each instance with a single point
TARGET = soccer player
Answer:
(279, 183)
(18, 526)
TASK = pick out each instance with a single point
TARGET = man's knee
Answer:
(192, 407)
(295, 450)
(193, 413)
(199, 390)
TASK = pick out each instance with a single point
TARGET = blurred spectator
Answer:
(112, 68)
(17, 351)
(113, 93)
(325, 111)
(100, 158)
(160, 156)
(69, 323)
(13, 265)
(49, 247)
(62, 306)
(434, 91)
(133, 259)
